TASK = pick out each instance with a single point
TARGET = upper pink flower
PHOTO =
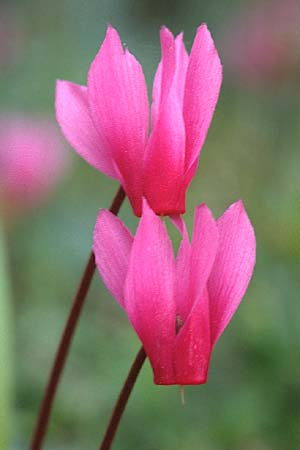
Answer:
(179, 306)
(107, 121)
(32, 158)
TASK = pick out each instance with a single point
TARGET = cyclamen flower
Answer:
(107, 121)
(32, 159)
(179, 306)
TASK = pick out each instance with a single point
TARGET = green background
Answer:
(252, 398)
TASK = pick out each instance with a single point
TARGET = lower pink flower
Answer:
(179, 306)
(32, 159)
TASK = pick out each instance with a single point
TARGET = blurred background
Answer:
(252, 399)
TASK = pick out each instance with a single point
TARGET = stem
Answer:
(122, 400)
(66, 340)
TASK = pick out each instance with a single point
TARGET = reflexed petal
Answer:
(149, 293)
(194, 262)
(171, 70)
(164, 163)
(193, 345)
(156, 92)
(203, 250)
(73, 116)
(182, 60)
(112, 246)
(165, 73)
(203, 81)
(183, 277)
(119, 104)
(233, 266)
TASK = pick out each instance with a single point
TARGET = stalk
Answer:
(122, 400)
(66, 340)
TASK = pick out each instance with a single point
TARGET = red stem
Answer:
(66, 340)
(122, 400)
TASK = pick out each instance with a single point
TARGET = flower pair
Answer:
(178, 306)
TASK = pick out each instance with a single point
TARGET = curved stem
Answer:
(66, 339)
(122, 400)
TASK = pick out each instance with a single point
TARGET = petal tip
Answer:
(102, 212)
(237, 206)
(165, 33)
(112, 38)
(179, 37)
(203, 28)
(201, 206)
(110, 29)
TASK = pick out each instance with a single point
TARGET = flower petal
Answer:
(182, 60)
(164, 163)
(203, 82)
(165, 154)
(183, 278)
(73, 116)
(119, 104)
(112, 246)
(203, 250)
(193, 345)
(149, 293)
(233, 267)
(194, 262)
(171, 69)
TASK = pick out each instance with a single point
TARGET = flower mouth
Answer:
(171, 211)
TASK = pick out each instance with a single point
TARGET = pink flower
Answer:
(107, 121)
(32, 159)
(179, 306)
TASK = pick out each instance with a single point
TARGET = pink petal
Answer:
(112, 246)
(119, 104)
(194, 262)
(233, 267)
(149, 293)
(164, 162)
(182, 60)
(193, 345)
(183, 277)
(203, 249)
(171, 69)
(203, 82)
(164, 73)
(73, 116)
(156, 95)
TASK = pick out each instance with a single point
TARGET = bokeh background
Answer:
(252, 399)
